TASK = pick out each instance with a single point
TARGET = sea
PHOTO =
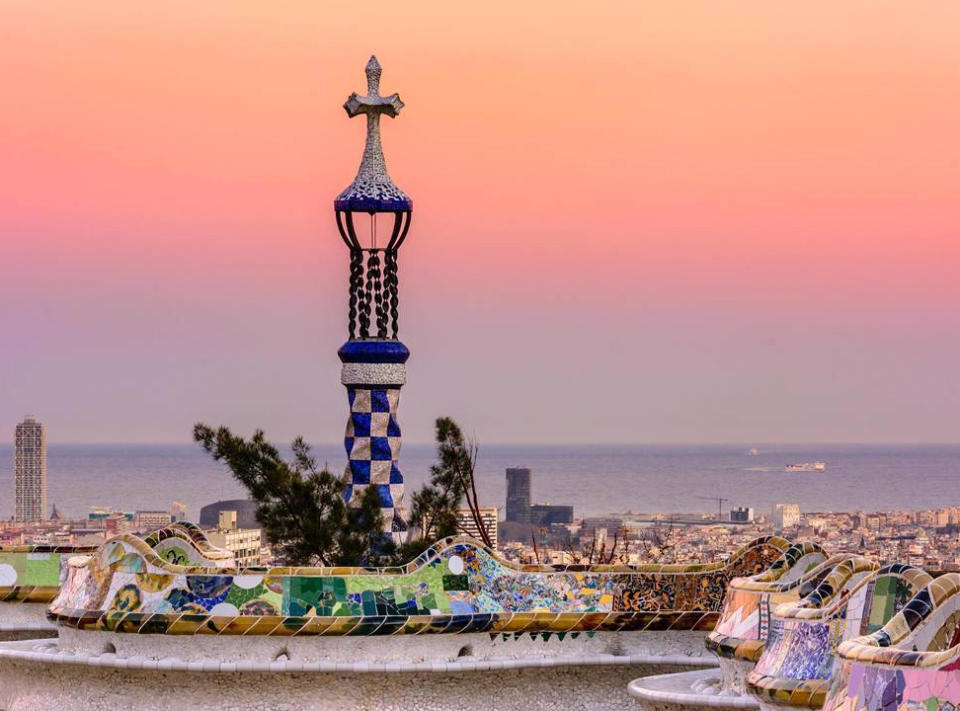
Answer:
(595, 479)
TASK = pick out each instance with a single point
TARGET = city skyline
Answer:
(755, 239)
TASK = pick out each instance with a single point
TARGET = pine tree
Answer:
(300, 505)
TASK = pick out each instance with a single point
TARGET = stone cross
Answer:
(373, 104)
(373, 188)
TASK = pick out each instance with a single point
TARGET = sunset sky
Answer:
(633, 221)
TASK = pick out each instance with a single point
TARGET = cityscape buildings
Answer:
(548, 514)
(30, 470)
(151, 520)
(786, 516)
(245, 509)
(741, 514)
(518, 495)
(244, 543)
(489, 517)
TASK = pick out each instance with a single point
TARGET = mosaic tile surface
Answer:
(799, 661)
(925, 633)
(912, 663)
(456, 586)
(862, 687)
(373, 189)
(35, 573)
(185, 543)
(372, 441)
(744, 620)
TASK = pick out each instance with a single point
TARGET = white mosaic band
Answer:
(373, 374)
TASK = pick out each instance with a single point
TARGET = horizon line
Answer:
(581, 443)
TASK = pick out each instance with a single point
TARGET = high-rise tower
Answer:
(30, 471)
(373, 216)
(518, 495)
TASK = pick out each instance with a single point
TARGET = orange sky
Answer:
(741, 214)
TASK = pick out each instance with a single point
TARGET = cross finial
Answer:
(373, 103)
(373, 190)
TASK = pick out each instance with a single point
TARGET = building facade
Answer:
(146, 521)
(518, 495)
(548, 514)
(786, 516)
(488, 516)
(245, 509)
(244, 543)
(741, 514)
(30, 471)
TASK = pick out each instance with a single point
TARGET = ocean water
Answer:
(593, 478)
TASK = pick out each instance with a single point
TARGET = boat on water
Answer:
(753, 452)
(807, 467)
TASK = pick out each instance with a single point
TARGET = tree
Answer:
(300, 505)
(306, 519)
(452, 479)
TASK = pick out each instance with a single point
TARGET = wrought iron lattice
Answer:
(374, 295)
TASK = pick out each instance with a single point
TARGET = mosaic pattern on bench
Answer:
(185, 543)
(925, 633)
(911, 663)
(456, 586)
(780, 571)
(744, 620)
(798, 663)
(35, 573)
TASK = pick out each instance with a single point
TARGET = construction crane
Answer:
(719, 500)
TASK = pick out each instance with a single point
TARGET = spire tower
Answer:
(373, 217)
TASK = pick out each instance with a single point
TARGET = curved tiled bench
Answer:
(799, 662)
(29, 579)
(741, 632)
(428, 634)
(31, 575)
(185, 543)
(912, 662)
(746, 611)
(456, 588)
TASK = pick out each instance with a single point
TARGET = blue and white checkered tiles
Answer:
(372, 442)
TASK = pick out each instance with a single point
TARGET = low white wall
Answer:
(25, 620)
(34, 677)
(395, 649)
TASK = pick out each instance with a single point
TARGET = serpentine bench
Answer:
(30, 576)
(29, 579)
(738, 635)
(798, 663)
(459, 627)
(185, 543)
(912, 662)
(457, 586)
(741, 632)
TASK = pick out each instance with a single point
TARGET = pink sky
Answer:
(634, 222)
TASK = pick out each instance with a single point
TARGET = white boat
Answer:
(807, 467)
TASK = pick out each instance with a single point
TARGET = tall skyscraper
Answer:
(518, 495)
(30, 470)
